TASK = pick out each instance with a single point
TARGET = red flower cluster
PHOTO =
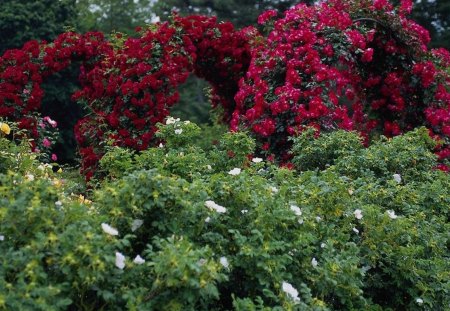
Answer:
(324, 66)
(133, 89)
(23, 70)
(129, 87)
(222, 56)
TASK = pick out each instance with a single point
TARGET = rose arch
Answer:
(354, 65)
(129, 86)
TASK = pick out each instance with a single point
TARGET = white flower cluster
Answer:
(171, 120)
(139, 260)
(216, 207)
(29, 177)
(224, 262)
(297, 211)
(391, 214)
(120, 258)
(44, 167)
(136, 224)
(290, 291)
(397, 178)
(257, 160)
(109, 230)
(235, 171)
(358, 214)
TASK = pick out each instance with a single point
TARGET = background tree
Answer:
(25, 20)
(434, 15)
(113, 15)
(241, 13)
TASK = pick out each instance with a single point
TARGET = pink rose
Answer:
(47, 143)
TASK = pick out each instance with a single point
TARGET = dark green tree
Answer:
(240, 12)
(193, 104)
(24, 20)
(434, 15)
(113, 15)
(21, 21)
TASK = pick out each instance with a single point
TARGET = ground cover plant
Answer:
(330, 191)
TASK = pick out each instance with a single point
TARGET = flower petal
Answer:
(109, 230)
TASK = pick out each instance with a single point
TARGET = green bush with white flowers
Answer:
(181, 227)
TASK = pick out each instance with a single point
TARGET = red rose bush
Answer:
(353, 65)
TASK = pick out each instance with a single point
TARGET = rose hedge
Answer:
(128, 85)
(23, 70)
(355, 65)
(133, 90)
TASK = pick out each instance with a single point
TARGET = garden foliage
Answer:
(177, 227)
(344, 94)
(354, 65)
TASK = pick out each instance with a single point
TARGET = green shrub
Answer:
(317, 153)
(15, 153)
(409, 155)
(220, 232)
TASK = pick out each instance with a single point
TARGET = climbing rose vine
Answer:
(354, 65)
(128, 85)
(22, 72)
(344, 65)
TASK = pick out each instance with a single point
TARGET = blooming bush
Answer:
(176, 222)
(22, 72)
(135, 89)
(189, 229)
(130, 84)
(48, 135)
(353, 65)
